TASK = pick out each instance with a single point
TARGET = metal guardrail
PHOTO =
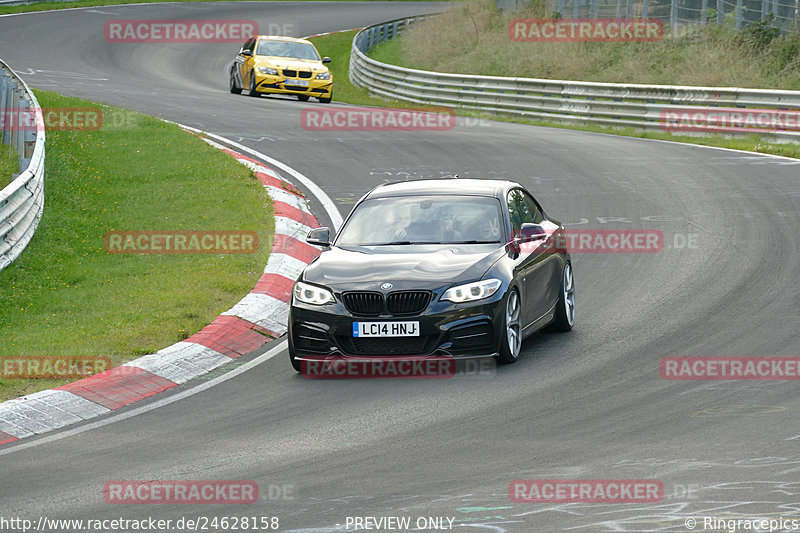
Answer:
(21, 201)
(604, 104)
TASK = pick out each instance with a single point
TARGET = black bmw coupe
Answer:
(455, 267)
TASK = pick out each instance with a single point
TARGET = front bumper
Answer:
(446, 329)
(281, 85)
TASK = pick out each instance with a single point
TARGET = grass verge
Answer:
(66, 296)
(337, 46)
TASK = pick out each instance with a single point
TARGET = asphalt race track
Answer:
(590, 404)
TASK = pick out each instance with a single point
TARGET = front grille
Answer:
(387, 346)
(397, 303)
(363, 303)
(408, 302)
(304, 74)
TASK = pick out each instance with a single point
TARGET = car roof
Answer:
(496, 188)
(282, 38)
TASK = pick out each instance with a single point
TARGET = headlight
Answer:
(312, 294)
(324, 76)
(267, 70)
(472, 291)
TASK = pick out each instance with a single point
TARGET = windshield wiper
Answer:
(473, 242)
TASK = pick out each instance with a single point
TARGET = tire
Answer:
(564, 319)
(326, 100)
(252, 89)
(235, 89)
(302, 97)
(511, 343)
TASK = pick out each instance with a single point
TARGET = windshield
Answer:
(286, 49)
(423, 220)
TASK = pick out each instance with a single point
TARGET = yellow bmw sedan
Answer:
(269, 64)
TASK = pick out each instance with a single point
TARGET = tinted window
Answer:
(424, 219)
(533, 209)
(518, 210)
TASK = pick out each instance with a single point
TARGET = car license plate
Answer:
(297, 83)
(385, 329)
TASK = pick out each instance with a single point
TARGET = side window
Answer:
(533, 209)
(249, 45)
(517, 210)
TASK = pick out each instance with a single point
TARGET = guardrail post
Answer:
(14, 112)
(594, 8)
(3, 89)
(673, 14)
(704, 12)
(629, 9)
(575, 9)
(720, 12)
(644, 9)
(739, 14)
(22, 115)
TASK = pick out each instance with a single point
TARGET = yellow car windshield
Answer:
(286, 49)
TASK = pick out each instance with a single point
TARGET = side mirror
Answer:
(319, 237)
(530, 232)
(247, 53)
(326, 59)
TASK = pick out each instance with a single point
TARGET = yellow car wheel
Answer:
(235, 89)
(252, 90)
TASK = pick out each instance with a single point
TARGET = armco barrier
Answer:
(604, 104)
(21, 201)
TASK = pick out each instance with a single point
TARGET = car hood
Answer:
(410, 266)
